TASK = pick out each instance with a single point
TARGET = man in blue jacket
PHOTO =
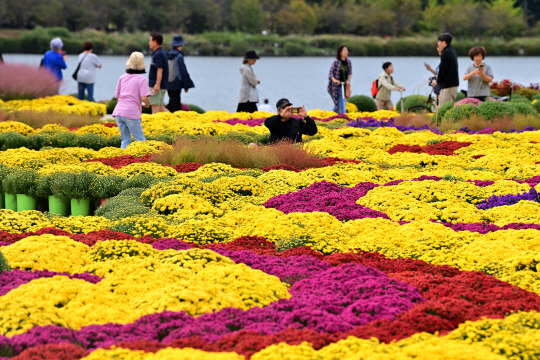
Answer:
(54, 60)
(178, 76)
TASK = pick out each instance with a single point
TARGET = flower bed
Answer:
(401, 245)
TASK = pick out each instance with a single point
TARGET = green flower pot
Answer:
(25, 202)
(11, 201)
(2, 200)
(58, 206)
(80, 207)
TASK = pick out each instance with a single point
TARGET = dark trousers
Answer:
(175, 104)
(249, 107)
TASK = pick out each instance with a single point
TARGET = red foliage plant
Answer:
(443, 148)
(504, 87)
(53, 352)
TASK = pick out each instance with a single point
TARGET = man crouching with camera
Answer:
(284, 126)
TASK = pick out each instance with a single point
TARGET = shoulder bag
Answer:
(74, 76)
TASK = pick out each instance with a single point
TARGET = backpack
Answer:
(172, 70)
(375, 88)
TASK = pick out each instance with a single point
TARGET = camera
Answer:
(295, 110)
(431, 79)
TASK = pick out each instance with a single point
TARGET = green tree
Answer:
(247, 15)
(297, 18)
(510, 20)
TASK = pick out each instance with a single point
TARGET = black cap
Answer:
(281, 103)
(251, 55)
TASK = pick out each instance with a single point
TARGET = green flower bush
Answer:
(458, 113)
(524, 108)
(410, 101)
(493, 109)
(145, 181)
(105, 187)
(443, 109)
(73, 186)
(12, 140)
(127, 203)
(4, 266)
(43, 186)
(4, 172)
(363, 103)
(21, 181)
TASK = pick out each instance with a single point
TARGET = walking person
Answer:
(387, 84)
(448, 77)
(340, 72)
(178, 75)
(158, 76)
(478, 75)
(86, 76)
(54, 60)
(131, 90)
(249, 97)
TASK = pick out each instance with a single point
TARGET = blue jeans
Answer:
(340, 109)
(89, 87)
(129, 127)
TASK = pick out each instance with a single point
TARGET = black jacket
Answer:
(289, 130)
(448, 75)
(182, 79)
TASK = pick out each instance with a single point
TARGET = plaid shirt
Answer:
(335, 71)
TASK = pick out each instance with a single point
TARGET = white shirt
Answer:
(266, 107)
(87, 71)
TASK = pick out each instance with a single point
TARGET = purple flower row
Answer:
(10, 280)
(484, 228)
(329, 197)
(503, 200)
(324, 299)
(374, 123)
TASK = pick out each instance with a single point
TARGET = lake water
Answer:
(301, 79)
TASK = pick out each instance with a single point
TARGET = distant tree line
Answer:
(501, 18)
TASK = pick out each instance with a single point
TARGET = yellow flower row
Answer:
(510, 255)
(59, 103)
(138, 280)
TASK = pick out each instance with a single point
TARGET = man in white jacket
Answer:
(385, 87)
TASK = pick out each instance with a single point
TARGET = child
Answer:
(132, 88)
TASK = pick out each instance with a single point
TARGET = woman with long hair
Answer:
(340, 73)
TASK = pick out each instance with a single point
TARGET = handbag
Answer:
(74, 76)
(347, 90)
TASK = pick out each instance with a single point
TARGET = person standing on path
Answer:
(448, 77)
(54, 60)
(178, 75)
(86, 77)
(249, 97)
(340, 72)
(159, 74)
(266, 107)
(479, 75)
(132, 88)
(386, 85)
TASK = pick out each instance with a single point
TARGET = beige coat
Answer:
(386, 85)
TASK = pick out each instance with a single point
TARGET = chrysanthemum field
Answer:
(396, 242)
